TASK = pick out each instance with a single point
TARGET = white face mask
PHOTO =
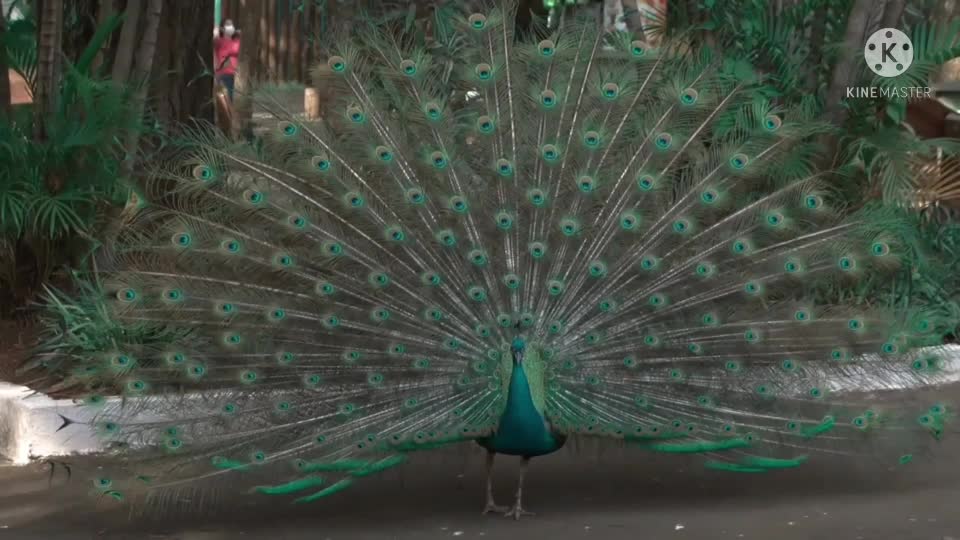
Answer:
(229, 30)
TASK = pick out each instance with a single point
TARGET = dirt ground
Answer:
(609, 494)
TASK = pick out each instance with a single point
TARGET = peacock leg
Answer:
(491, 506)
(517, 509)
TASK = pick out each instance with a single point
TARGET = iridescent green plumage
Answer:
(302, 313)
(522, 429)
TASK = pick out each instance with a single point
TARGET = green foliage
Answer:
(54, 190)
(53, 186)
(875, 156)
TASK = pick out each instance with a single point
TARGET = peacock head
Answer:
(517, 348)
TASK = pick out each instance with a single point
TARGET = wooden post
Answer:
(311, 103)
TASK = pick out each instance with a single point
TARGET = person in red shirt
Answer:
(226, 48)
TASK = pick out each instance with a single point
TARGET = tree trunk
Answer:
(5, 108)
(263, 39)
(123, 60)
(144, 65)
(182, 83)
(49, 62)
(306, 49)
(845, 70)
(250, 40)
(79, 27)
(285, 71)
(107, 9)
(892, 13)
(272, 40)
(295, 36)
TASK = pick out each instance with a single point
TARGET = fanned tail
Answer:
(305, 312)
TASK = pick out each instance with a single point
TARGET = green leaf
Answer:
(897, 111)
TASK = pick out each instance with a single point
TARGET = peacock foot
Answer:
(518, 511)
(493, 507)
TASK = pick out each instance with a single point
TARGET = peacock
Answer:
(517, 239)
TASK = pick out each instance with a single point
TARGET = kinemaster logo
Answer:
(888, 52)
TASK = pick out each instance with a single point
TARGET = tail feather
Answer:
(345, 292)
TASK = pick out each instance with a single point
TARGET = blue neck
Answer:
(519, 399)
(522, 429)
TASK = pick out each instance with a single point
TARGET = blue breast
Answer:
(522, 430)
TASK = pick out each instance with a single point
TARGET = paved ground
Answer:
(607, 493)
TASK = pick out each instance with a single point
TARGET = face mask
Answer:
(229, 30)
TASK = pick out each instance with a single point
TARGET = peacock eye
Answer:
(586, 184)
(879, 249)
(129, 295)
(253, 197)
(477, 21)
(629, 220)
(645, 182)
(415, 195)
(550, 152)
(663, 141)
(547, 47)
(337, 63)
(447, 238)
(439, 159)
(548, 98)
(321, 163)
(203, 172)
(772, 122)
(182, 239)
(484, 71)
(591, 139)
(610, 90)
(738, 161)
